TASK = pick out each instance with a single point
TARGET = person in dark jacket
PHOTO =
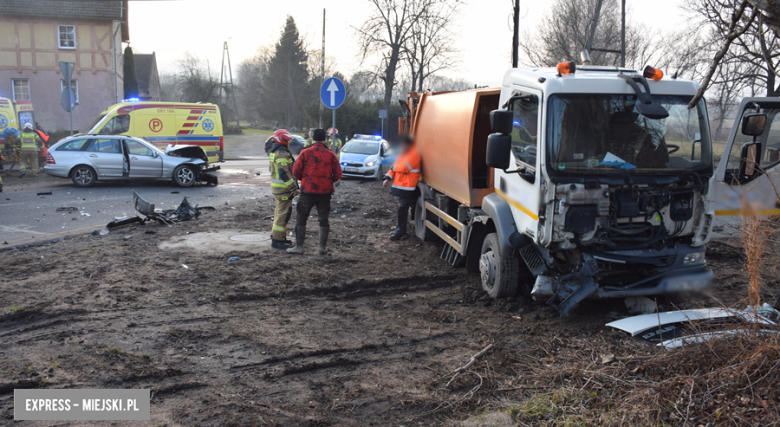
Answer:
(317, 169)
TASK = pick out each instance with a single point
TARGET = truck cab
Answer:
(603, 185)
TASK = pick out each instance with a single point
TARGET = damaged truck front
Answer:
(599, 182)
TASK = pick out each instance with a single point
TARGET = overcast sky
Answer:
(170, 28)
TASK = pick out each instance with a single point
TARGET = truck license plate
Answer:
(350, 169)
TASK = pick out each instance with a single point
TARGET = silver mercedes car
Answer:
(86, 159)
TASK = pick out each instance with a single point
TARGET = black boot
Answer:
(300, 236)
(403, 218)
(324, 240)
(279, 244)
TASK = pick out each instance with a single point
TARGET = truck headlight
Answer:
(694, 258)
(369, 164)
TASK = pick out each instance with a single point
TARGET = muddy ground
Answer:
(361, 337)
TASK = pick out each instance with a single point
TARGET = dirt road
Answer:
(364, 336)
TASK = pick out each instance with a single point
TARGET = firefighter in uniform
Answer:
(404, 176)
(283, 187)
(28, 144)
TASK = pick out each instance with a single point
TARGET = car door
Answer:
(145, 162)
(105, 155)
(747, 179)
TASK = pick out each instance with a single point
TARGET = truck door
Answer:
(521, 189)
(747, 179)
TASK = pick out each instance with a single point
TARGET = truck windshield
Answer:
(591, 133)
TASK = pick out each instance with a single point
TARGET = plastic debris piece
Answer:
(640, 305)
(185, 266)
(234, 258)
(104, 231)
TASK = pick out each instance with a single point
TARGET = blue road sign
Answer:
(333, 93)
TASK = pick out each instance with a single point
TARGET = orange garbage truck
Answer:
(586, 181)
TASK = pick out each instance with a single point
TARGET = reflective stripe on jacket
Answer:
(282, 180)
(27, 141)
(405, 173)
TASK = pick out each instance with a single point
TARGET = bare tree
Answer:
(250, 75)
(430, 48)
(563, 33)
(386, 33)
(195, 80)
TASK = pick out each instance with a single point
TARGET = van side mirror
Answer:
(502, 121)
(753, 124)
(499, 148)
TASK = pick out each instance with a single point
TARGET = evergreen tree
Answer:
(285, 89)
(128, 73)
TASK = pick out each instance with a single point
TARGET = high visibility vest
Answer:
(28, 141)
(405, 173)
(281, 173)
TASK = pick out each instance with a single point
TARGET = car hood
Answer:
(357, 158)
(189, 151)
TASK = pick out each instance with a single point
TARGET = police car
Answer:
(366, 156)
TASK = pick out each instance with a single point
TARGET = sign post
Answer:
(332, 94)
(383, 116)
(68, 97)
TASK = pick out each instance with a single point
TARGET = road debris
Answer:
(184, 212)
(44, 193)
(68, 209)
(672, 329)
(234, 258)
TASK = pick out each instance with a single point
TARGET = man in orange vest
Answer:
(404, 176)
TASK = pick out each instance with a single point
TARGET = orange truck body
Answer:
(450, 130)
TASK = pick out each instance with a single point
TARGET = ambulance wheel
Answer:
(423, 233)
(83, 176)
(499, 272)
(184, 176)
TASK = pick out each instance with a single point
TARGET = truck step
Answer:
(451, 255)
(533, 259)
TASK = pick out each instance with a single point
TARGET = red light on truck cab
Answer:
(567, 67)
(653, 73)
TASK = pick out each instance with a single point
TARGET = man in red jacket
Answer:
(317, 168)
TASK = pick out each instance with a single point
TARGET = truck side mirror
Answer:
(753, 124)
(749, 159)
(502, 121)
(499, 148)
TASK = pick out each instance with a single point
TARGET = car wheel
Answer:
(499, 272)
(83, 176)
(184, 176)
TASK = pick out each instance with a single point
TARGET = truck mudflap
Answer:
(571, 289)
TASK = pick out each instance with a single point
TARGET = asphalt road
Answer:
(28, 217)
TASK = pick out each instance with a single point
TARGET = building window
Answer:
(73, 84)
(67, 36)
(21, 89)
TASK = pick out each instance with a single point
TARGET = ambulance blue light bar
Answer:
(371, 137)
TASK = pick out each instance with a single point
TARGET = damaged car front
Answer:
(626, 197)
(196, 157)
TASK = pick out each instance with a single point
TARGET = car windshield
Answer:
(361, 147)
(605, 134)
(94, 123)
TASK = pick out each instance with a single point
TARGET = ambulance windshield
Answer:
(94, 123)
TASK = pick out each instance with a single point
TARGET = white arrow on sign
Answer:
(332, 88)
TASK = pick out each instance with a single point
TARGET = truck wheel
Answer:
(184, 176)
(422, 232)
(499, 272)
(83, 176)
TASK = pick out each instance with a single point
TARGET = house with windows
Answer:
(147, 76)
(36, 35)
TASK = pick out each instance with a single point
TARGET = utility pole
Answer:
(623, 33)
(589, 45)
(226, 54)
(322, 62)
(516, 33)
